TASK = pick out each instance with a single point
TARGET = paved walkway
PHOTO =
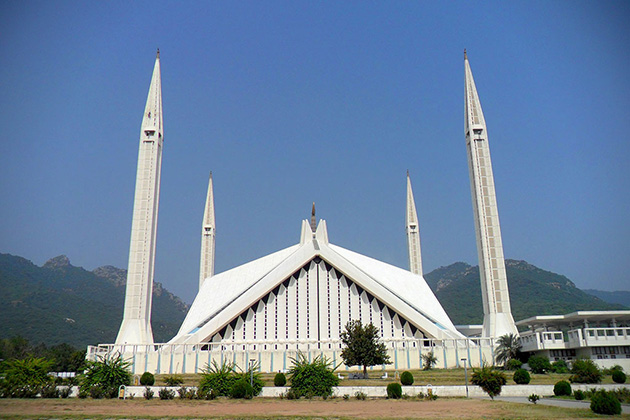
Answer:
(559, 402)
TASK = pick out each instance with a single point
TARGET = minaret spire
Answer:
(413, 232)
(136, 324)
(208, 231)
(497, 318)
(313, 220)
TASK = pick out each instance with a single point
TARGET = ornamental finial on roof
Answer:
(465, 56)
(158, 53)
(313, 220)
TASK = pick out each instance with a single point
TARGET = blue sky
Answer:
(294, 102)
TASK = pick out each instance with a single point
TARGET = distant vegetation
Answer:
(533, 291)
(59, 303)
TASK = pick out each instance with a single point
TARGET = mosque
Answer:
(300, 298)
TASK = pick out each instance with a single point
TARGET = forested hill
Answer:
(59, 303)
(533, 291)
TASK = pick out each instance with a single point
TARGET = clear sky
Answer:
(293, 102)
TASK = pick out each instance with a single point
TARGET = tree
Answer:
(362, 346)
(508, 347)
(108, 373)
(428, 360)
(316, 378)
(490, 380)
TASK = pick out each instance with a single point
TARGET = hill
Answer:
(618, 297)
(533, 291)
(59, 303)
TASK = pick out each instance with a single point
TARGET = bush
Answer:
(49, 391)
(619, 377)
(513, 364)
(147, 379)
(65, 392)
(489, 380)
(314, 378)
(361, 395)
(585, 371)
(609, 371)
(96, 392)
(172, 380)
(242, 389)
(428, 361)
(148, 393)
(578, 395)
(166, 394)
(539, 364)
(187, 393)
(108, 373)
(559, 366)
(24, 378)
(562, 388)
(394, 390)
(533, 398)
(219, 379)
(280, 379)
(603, 402)
(521, 377)
(406, 378)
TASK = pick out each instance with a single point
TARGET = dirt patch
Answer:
(265, 408)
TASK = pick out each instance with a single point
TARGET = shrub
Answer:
(489, 380)
(147, 379)
(314, 378)
(166, 394)
(242, 389)
(406, 378)
(204, 395)
(513, 364)
(562, 388)
(360, 395)
(394, 390)
(619, 377)
(219, 379)
(23, 378)
(533, 398)
(49, 391)
(280, 379)
(603, 402)
(108, 373)
(186, 393)
(559, 366)
(96, 392)
(578, 395)
(148, 393)
(521, 377)
(428, 361)
(65, 392)
(430, 395)
(539, 364)
(609, 371)
(585, 371)
(172, 380)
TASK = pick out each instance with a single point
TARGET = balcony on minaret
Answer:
(149, 135)
(207, 230)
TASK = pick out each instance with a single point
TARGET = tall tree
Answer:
(362, 346)
(508, 348)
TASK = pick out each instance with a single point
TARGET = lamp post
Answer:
(251, 372)
(466, 374)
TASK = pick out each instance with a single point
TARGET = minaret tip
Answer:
(407, 173)
(465, 55)
(313, 220)
(158, 53)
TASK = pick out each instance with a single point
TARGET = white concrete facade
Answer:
(136, 324)
(497, 319)
(413, 232)
(208, 234)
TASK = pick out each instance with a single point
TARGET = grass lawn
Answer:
(421, 377)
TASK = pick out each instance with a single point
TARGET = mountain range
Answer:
(60, 303)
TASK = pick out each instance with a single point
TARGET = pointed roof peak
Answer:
(158, 54)
(313, 219)
(465, 55)
(407, 173)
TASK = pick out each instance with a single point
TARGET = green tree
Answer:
(428, 360)
(24, 378)
(508, 347)
(489, 379)
(362, 346)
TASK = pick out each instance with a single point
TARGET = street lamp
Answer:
(466, 374)
(251, 372)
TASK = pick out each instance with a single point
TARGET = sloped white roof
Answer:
(225, 295)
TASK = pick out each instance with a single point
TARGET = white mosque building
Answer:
(300, 298)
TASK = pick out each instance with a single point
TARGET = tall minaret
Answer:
(497, 316)
(136, 324)
(207, 237)
(413, 232)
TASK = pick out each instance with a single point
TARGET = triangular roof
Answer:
(225, 296)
